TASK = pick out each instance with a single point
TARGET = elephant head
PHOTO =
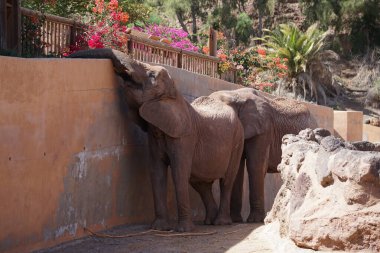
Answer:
(254, 111)
(149, 90)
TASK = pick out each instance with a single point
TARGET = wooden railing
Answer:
(57, 33)
(51, 38)
(147, 50)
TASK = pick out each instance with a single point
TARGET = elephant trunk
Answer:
(122, 63)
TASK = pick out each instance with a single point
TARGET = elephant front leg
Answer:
(257, 151)
(158, 176)
(181, 176)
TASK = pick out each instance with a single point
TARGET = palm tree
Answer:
(300, 48)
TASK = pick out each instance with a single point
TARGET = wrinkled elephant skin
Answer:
(201, 142)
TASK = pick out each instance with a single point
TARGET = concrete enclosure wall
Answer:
(69, 159)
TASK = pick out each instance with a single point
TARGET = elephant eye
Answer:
(152, 75)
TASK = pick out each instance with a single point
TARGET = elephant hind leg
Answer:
(226, 185)
(205, 190)
(257, 164)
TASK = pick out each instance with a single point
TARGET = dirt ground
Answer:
(240, 238)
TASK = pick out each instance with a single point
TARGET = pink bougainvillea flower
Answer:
(95, 42)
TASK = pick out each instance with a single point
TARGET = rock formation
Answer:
(330, 197)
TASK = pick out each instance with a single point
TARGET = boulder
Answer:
(330, 197)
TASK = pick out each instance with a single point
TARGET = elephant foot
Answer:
(256, 218)
(161, 224)
(211, 217)
(185, 226)
(237, 218)
(221, 220)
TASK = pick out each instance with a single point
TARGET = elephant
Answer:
(265, 121)
(201, 142)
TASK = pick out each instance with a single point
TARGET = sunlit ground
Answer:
(239, 238)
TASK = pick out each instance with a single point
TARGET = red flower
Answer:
(223, 57)
(206, 50)
(124, 17)
(113, 5)
(282, 66)
(261, 51)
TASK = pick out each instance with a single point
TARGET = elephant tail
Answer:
(122, 63)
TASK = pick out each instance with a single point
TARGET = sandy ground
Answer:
(235, 238)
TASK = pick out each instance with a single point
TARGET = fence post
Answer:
(179, 60)
(73, 32)
(212, 42)
(130, 46)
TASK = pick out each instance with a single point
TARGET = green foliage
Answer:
(138, 12)
(63, 8)
(244, 27)
(358, 18)
(298, 47)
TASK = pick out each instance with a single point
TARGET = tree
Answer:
(297, 46)
(358, 18)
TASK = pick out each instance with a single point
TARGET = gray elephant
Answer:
(265, 122)
(201, 142)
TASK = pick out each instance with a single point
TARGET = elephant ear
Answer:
(255, 116)
(170, 115)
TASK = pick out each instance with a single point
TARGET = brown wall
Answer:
(348, 125)
(371, 133)
(68, 159)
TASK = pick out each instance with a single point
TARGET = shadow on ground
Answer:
(235, 238)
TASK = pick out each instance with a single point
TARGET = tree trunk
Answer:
(194, 21)
(179, 14)
(260, 25)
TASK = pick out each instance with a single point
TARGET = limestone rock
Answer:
(330, 198)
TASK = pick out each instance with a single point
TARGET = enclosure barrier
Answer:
(54, 36)
(57, 34)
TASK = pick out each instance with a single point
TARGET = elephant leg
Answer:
(257, 163)
(237, 193)
(159, 183)
(180, 163)
(158, 177)
(226, 185)
(205, 190)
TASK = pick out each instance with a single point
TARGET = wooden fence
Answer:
(44, 35)
(56, 34)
